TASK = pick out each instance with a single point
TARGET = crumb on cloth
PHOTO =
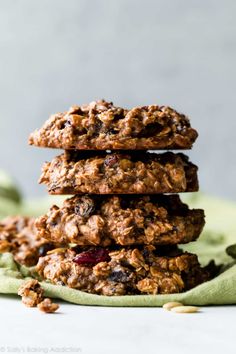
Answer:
(32, 296)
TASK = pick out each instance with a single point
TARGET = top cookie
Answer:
(100, 126)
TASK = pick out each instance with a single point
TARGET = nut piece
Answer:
(47, 306)
(185, 309)
(31, 292)
(170, 305)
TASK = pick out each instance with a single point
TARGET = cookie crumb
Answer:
(47, 306)
(31, 293)
(32, 296)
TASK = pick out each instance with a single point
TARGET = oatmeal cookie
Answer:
(100, 126)
(123, 220)
(18, 235)
(123, 271)
(76, 172)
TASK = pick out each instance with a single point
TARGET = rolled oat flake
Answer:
(185, 309)
(170, 305)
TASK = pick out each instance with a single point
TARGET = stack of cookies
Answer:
(119, 232)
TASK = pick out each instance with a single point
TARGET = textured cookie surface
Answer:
(76, 172)
(123, 271)
(100, 125)
(123, 220)
(18, 235)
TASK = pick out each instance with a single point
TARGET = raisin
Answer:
(119, 276)
(92, 257)
(42, 251)
(84, 207)
(111, 160)
(96, 128)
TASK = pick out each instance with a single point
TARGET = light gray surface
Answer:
(101, 330)
(56, 53)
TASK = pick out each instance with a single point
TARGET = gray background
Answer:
(56, 53)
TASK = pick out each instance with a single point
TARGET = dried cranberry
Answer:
(111, 160)
(92, 257)
(84, 207)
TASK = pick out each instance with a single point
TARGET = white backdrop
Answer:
(54, 53)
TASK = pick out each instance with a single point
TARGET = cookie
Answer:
(100, 126)
(123, 271)
(122, 220)
(18, 236)
(78, 172)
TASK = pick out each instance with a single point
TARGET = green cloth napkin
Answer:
(219, 232)
(219, 291)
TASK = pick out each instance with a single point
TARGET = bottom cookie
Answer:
(123, 271)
